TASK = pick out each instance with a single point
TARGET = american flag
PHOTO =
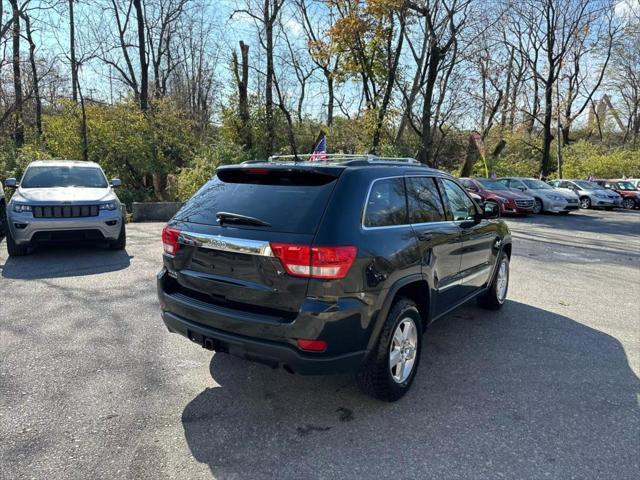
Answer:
(320, 152)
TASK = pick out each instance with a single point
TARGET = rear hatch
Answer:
(228, 227)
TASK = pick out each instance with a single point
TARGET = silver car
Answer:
(545, 197)
(62, 200)
(591, 195)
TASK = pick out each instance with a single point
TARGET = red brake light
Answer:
(312, 345)
(315, 262)
(170, 240)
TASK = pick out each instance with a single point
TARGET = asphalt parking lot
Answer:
(93, 386)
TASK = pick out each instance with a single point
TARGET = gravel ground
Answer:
(93, 386)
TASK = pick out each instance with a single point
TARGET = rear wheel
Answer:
(391, 367)
(495, 296)
(13, 249)
(585, 202)
(121, 242)
(628, 203)
(537, 206)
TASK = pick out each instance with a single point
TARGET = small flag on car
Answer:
(320, 152)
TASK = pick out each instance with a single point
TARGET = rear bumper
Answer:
(267, 340)
(257, 350)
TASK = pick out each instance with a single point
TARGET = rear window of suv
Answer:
(290, 202)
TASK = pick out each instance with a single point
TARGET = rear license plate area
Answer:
(208, 342)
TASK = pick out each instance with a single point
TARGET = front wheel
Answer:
(390, 369)
(537, 206)
(495, 296)
(628, 203)
(585, 202)
(13, 249)
(121, 242)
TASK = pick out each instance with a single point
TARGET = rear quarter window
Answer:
(386, 203)
(290, 205)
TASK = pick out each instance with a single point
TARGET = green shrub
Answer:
(202, 168)
(583, 158)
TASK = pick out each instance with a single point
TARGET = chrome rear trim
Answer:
(226, 244)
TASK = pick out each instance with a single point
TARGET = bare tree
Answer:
(241, 72)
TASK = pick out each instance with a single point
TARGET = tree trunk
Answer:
(18, 130)
(83, 126)
(268, 23)
(330, 97)
(242, 79)
(35, 80)
(72, 54)
(547, 134)
(390, 83)
(426, 152)
(144, 64)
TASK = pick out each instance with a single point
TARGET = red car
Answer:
(627, 190)
(493, 191)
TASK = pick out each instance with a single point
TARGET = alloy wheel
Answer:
(502, 281)
(403, 350)
(585, 202)
(628, 203)
(537, 206)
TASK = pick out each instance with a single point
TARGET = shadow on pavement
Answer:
(65, 261)
(521, 393)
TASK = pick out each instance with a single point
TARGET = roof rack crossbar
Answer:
(339, 158)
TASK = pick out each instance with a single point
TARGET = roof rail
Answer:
(337, 158)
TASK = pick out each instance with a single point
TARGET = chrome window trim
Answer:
(226, 244)
(412, 175)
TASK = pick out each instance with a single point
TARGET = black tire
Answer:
(375, 377)
(121, 242)
(585, 203)
(491, 300)
(628, 204)
(538, 207)
(3, 219)
(13, 249)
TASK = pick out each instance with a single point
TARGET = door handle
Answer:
(425, 237)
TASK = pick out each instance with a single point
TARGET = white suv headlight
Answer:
(21, 208)
(108, 206)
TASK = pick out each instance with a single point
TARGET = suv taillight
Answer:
(170, 240)
(315, 262)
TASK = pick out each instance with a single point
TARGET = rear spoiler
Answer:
(306, 174)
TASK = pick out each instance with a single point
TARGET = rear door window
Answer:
(288, 201)
(424, 200)
(386, 203)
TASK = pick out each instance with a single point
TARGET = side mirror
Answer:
(115, 182)
(522, 189)
(491, 210)
(11, 183)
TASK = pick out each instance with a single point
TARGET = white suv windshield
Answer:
(63, 176)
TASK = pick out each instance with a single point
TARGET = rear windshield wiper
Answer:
(226, 217)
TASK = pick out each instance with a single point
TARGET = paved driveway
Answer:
(93, 386)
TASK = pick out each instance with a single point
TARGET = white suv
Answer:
(63, 200)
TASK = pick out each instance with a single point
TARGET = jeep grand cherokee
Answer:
(329, 267)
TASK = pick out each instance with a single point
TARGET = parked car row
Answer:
(520, 195)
